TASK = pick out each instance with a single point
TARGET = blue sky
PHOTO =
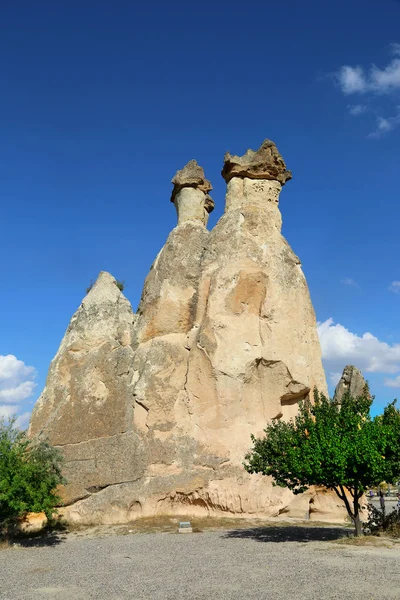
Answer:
(102, 102)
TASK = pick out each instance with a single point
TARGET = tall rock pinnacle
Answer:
(256, 340)
(351, 381)
(190, 194)
(154, 411)
(256, 179)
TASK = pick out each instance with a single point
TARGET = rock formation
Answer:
(351, 381)
(264, 163)
(154, 411)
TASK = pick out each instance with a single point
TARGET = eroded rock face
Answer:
(154, 411)
(351, 381)
(86, 406)
(256, 353)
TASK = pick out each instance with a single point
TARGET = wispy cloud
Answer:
(349, 281)
(395, 287)
(358, 80)
(393, 383)
(372, 82)
(334, 378)
(395, 49)
(352, 80)
(385, 125)
(8, 410)
(357, 109)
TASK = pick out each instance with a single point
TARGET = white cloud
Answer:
(17, 380)
(349, 281)
(23, 420)
(395, 287)
(352, 80)
(394, 383)
(395, 49)
(334, 378)
(17, 383)
(385, 125)
(341, 347)
(11, 410)
(11, 368)
(356, 80)
(8, 410)
(383, 81)
(17, 393)
(357, 109)
(371, 82)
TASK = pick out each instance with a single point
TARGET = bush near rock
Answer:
(30, 471)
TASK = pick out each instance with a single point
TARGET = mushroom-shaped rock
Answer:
(190, 194)
(264, 163)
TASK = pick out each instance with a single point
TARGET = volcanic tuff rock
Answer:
(190, 194)
(154, 411)
(351, 381)
(264, 163)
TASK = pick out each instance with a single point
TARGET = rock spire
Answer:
(190, 194)
(351, 381)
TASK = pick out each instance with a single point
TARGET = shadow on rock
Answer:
(289, 534)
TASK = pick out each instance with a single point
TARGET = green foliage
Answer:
(30, 471)
(339, 446)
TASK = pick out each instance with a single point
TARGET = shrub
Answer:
(30, 471)
(379, 521)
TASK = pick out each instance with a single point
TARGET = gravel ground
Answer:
(281, 563)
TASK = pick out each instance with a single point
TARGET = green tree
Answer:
(30, 472)
(339, 446)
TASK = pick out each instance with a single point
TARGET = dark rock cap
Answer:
(192, 175)
(264, 163)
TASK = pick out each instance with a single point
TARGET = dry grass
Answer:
(4, 544)
(366, 540)
(163, 524)
(170, 524)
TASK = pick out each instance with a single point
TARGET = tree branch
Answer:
(338, 493)
(346, 502)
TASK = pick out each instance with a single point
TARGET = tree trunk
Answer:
(357, 525)
(354, 515)
(356, 519)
